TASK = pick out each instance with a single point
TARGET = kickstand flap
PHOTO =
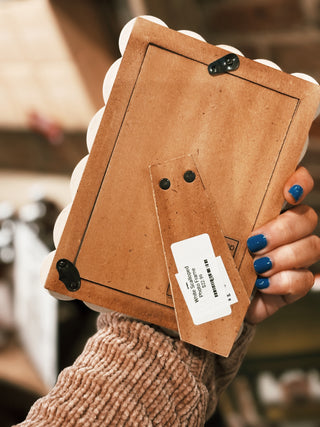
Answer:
(187, 222)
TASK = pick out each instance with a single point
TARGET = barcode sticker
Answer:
(203, 280)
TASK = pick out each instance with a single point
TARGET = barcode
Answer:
(211, 278)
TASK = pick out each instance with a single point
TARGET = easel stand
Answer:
(184, 210)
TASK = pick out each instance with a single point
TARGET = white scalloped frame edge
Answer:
(94, 126)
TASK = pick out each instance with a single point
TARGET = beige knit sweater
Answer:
(132, 374)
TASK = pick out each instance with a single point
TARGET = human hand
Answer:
(283, 250)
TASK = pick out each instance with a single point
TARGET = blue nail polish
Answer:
(296, 192)
(256, 243)
(262, 265)
(262, 283)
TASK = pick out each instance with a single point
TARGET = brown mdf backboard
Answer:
(245, 131)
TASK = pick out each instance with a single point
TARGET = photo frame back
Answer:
(241, 132)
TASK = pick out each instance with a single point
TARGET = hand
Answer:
(283, 251)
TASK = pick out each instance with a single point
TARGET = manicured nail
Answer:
(256, 243)
(296, 192)
(262, 265)
(262, 283)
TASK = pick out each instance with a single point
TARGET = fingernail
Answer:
(262, 265)
(262, 283)
(296, 192)
(256, 243)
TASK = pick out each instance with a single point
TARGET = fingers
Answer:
(277, 291)
(290, 248)
(298, 186)
(283, 249)
(290, 284)
(263, 306)
(289, 227)
(300, 254)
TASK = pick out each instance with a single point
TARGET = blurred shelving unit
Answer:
(54, 57)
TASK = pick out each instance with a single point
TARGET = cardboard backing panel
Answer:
(245, 131)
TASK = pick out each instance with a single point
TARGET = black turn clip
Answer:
(225, 64)
(69, 275)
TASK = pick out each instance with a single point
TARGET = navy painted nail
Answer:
(256, 243)
(262, 283)
(262, 265)
(296, 192)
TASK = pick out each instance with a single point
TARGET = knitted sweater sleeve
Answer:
(133, 374)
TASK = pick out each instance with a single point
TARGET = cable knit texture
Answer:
(133, 374)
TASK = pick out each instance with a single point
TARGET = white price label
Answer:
(203, 279)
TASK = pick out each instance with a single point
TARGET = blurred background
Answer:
(54, 55)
